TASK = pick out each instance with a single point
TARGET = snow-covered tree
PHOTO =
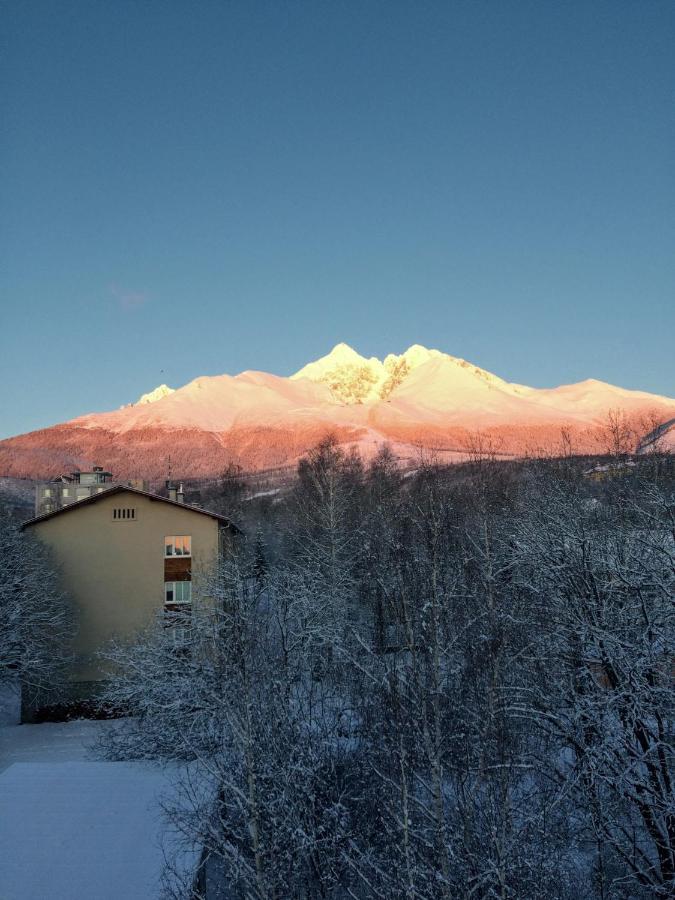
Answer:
(36, 620)
(452, 684)
(600, 576)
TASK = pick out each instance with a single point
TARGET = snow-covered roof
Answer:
(87, 829)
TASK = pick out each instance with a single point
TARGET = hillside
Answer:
(420, 398)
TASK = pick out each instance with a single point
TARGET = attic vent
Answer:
(124, 514)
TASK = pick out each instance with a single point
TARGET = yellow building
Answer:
(124, 555)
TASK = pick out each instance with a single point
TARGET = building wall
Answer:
(115, 569)
(52, 495)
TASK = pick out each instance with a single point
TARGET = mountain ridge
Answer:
(419, 398)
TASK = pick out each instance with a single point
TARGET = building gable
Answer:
(123, 504)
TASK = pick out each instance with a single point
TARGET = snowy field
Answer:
(73, 827)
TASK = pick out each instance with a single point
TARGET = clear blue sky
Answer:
(197, 188)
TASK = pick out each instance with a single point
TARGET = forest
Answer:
(450, 682)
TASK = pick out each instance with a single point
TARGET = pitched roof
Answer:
(121, 488)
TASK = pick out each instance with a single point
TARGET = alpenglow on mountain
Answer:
(419, 399)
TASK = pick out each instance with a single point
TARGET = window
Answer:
(178, 545)
(124, 514)
(66, 492)
(46, 492)
(178, 592)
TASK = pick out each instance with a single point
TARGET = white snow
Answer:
(271, 493)
(51, 741)
(73, 827)
(340, 355)
(162, 390)
(353, 378)
(86, 830)
(419, 387)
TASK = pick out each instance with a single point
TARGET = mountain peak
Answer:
(350, 377)
(343, 348)
(162, 390)
(354, 379)
(417, 355)
(343, 354)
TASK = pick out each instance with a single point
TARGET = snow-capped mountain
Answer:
(162, 390)
(421, 397)
(354, 379)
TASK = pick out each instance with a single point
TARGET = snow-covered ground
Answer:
(50, 742)
(73, 827)
(85, 829)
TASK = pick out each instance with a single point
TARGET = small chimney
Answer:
(180, 496)
(171, 490)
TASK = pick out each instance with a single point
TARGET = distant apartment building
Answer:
(65, 489)
(125, 556)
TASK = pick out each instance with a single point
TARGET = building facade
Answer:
(124, 556)
(66, 489)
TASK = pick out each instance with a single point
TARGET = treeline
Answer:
(453, 684)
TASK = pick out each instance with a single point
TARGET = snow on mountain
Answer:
(419, 397)
(445, 389)
(421, 385)
(589, 399)
(216, 403)
(352, 378)
(418, 386)
(162, 390)
(661, 438)
(430, 385)
(341, 356)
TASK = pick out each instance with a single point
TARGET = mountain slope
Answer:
(420, 397)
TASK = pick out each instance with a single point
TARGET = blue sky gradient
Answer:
(198, 188)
